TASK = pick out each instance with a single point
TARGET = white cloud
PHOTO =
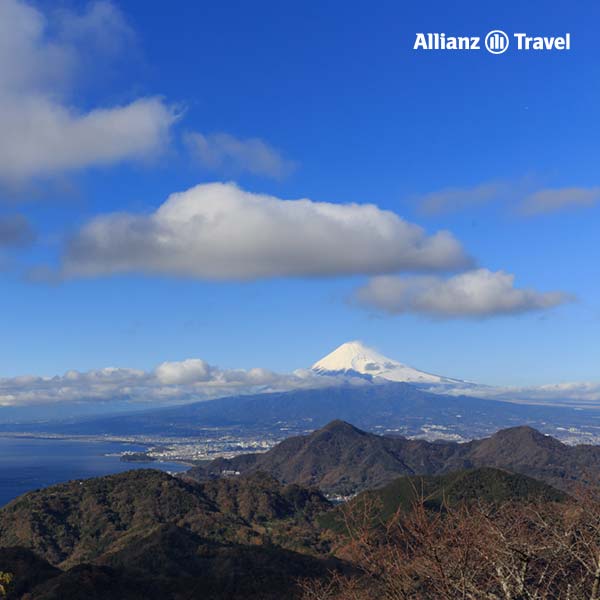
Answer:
(185, 371)
(553, 200)
(573, 394)
(41, 137)
(478, 293)
(98, 385)
(227, 154)
(585, 392)
(170, 383)
(43, 133)
(218, 231)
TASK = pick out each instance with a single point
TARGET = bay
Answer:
(32, 463)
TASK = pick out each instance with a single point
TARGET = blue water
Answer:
(30, 464)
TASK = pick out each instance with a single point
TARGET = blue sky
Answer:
(351, 114)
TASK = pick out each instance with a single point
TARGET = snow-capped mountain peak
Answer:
(355, 357)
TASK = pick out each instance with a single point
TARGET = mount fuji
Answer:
(355, 384)
(354, 358)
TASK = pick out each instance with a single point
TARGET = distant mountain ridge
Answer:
(342, 459)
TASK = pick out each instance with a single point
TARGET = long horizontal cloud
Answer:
(218, 231)
(553, 200)
(459, 198)
(194, 379)
(584, 394)
(168, 383)
(227, 154)
(43, 134)
(477, 294)
(522, 195)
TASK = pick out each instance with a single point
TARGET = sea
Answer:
(32, 463)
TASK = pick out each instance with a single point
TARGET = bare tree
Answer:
(469, 551)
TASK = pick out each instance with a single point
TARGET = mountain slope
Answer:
(170, 562)
(338, 458)
(146, 535)
(27, 570)
(341, 459)
(81, 521)
(483, 485)
(391, 405)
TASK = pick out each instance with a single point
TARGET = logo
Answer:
(497, 42)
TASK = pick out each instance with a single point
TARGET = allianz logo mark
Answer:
(495, 42)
